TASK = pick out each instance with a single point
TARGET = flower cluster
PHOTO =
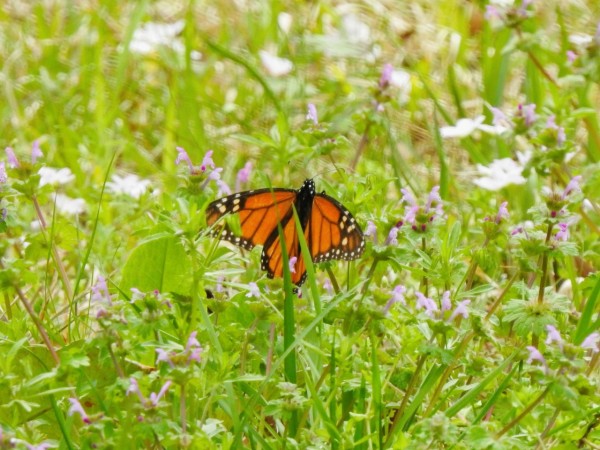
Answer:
(417, 216)
(443, 311)
(191, 353)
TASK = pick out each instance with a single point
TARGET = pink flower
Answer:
(571, 56)
(100, 290)
(13, 162)
(207, 161)
(411, 215)
(502, 212)
(461, 310)
(397, 297)
(243, 174)
(76, 408)
(535, 355)
(572, 186)
(499, 116)
(328, 286)
(215, 174)
(386, 76)
(563, 233)
(164, 356)
(591, 342)
(154, 398)
(408, 197)
(182, 156)
(3, 175)
(371, 229)
(292, 264)
(554, 336)
(193, 348)
(312, 114)
(392, 238)
(427, 304)
(528, 113)
(222, 188)
(446, 303)
(35, 151)
(491, 12)
(253, 290)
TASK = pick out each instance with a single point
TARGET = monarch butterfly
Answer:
(329, 229)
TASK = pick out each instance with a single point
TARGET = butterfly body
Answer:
(328, 227)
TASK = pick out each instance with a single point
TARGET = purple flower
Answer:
(13, 162)
(183, 157)
(35, 151)
(312, 114)
(491, 12)
(554, 336)
(253, 290)
(100, 290)
(371, 229)
(397, 297)
(434, 197)
(155, 398)
(328, 286)
(591, 342)
(222, 188)
(164, 356)
(392, 238)
(207, 161)
(517, 230)
(502, 212)
(571, 56)
(243, 175)
(3, 175)
(427, 304)
(529, 114)
(561, 137)
(219, 286)
(572, 186)
(76, 408)
(386, 76)
(408, 197)
(461, 310)
(134, 387)
(215, 174)
(292, 264)
(535, 355)
(42, 446)
(446, 303)
(563, 233)
(499, 116)
(193, 348)
(411, 215)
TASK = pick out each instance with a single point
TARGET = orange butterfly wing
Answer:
(329, 229)
(259, 212)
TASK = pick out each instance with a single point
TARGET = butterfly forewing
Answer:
(334, 232)
(329, 229)
(258, 211)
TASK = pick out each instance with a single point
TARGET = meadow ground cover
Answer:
(462, 135)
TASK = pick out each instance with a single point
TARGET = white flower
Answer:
(284, 20)
(152, 35)
(69, 206)
(275, 65)
(52, 176)
(500, 173)
(465, 127)
(130, 184)
(355, 30)
(580, 40)
(400, 79)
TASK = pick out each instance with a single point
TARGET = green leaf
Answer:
(160, 264)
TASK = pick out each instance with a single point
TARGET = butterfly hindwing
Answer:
(328, 227)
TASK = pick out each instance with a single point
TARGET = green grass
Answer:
(347, 363)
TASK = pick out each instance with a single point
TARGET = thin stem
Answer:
(473, 267)
(425, 280)
(271, 348)
(182, 410)
(544, 267)
(411, 385)
(115, 361)
(364, 140)
(59, 264)
(36, 320)
(526, 411)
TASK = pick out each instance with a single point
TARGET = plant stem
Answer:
(364, 140)
(526, 411)
(182, 410)
(544, 268)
